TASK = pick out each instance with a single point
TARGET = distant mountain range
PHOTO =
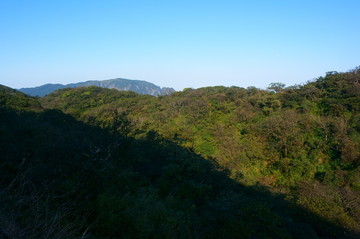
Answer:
(141, 87)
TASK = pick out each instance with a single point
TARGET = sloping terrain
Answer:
(214, 162)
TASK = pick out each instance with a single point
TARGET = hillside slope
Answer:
(215, 162)
(62, 178)
(303, 141)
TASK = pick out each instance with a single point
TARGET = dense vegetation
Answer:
(214, 162)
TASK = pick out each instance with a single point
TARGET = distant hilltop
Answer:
(141, 87)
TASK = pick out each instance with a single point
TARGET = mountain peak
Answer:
(138, 86)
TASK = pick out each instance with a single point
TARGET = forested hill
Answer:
(141, 87)
(214, 162)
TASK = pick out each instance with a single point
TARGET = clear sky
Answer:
(177, 43)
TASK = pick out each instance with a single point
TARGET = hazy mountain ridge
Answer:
(138, 86)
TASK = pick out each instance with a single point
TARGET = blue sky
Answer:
(187, 43)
